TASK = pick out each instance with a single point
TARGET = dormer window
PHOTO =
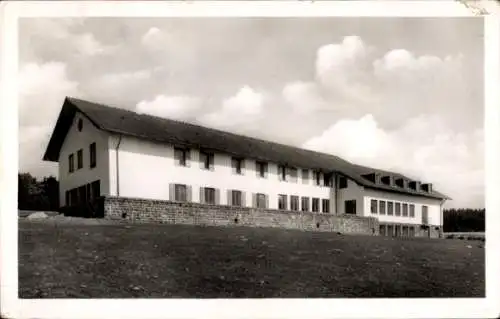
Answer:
(387, 180)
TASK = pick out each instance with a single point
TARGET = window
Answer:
(80, 125)
(294, 202)
(405, 210)
(237, 165)
(412, 210)
(208, 195)
(382, 207)
(282, 172)
(350, 206)
(67, 199)
(327, 179)
(397, 230)
(180, 193)
(93, 156)
(261, 168)
(261, 201)
(390, 208)
(412, 231)
(317, 178)
(206, 160)
(95, 188)
(398, 209)
(79, 156)
(315, 204)
(373, 206)
(382, 230)
(405, 231)
(71, 163)
(305, 204)
(326, 205)
(282, 202)
(236, 198)
(425, 215)
(342, 182)
(390, 231)
(293, 173)
(305, 176)
(181, 156)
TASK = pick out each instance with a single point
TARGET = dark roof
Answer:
(121, 121)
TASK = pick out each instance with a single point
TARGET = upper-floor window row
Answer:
(79, 158)
(393, 208)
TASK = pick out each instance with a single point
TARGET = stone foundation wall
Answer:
(143, 210)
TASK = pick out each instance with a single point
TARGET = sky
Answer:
(402, 94)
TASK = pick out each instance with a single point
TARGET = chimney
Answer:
(427, 187)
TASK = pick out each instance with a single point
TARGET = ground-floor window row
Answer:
(393, 208)
(84, 193)
(397, 230)
(211, 195)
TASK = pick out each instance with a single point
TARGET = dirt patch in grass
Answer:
(71, 260)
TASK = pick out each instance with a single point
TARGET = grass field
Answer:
(71, 260)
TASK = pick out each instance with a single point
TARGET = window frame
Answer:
(209, 195)
(239, 197)
(294, 203)
(397, 209)
(71, 163)
(317, 206)
(282, 202)
(404, 210)
(412, 210)
(305, 200)
(79, 159)
(382, 207)
(374, 206)
(325, 205)
(390, 208)
(258, 202)
(343, 182)
(177, 192)
(237, 165)
(182, 161)
(93, 155)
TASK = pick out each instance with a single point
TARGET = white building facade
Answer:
(96, 162)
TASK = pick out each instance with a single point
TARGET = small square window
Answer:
(180, 193)
(236, 198)
(342, 182)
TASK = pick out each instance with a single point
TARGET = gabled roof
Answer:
(121, 121)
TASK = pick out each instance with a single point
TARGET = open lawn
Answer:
(72, 260)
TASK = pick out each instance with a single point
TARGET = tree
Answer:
(37, 195)
(464, 220)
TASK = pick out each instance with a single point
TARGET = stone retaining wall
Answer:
(143, 210)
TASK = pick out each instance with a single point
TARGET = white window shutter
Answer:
(171, 191)
(229, 197)
(254, 200)
(188, 157)
(202, 195)
(267, 201)
(189, 193)
(217, 196)
(243, 199)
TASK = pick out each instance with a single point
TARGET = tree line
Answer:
(464, 220)
(43, 195)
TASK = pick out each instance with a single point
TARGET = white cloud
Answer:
(152, 37)
(423, 147)
(42, 89)
(242, 108)
(304, 97)
(86, 44)
(174, 107)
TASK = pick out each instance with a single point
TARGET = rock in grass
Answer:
(37, 215)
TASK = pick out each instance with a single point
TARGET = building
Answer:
(107, 151)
